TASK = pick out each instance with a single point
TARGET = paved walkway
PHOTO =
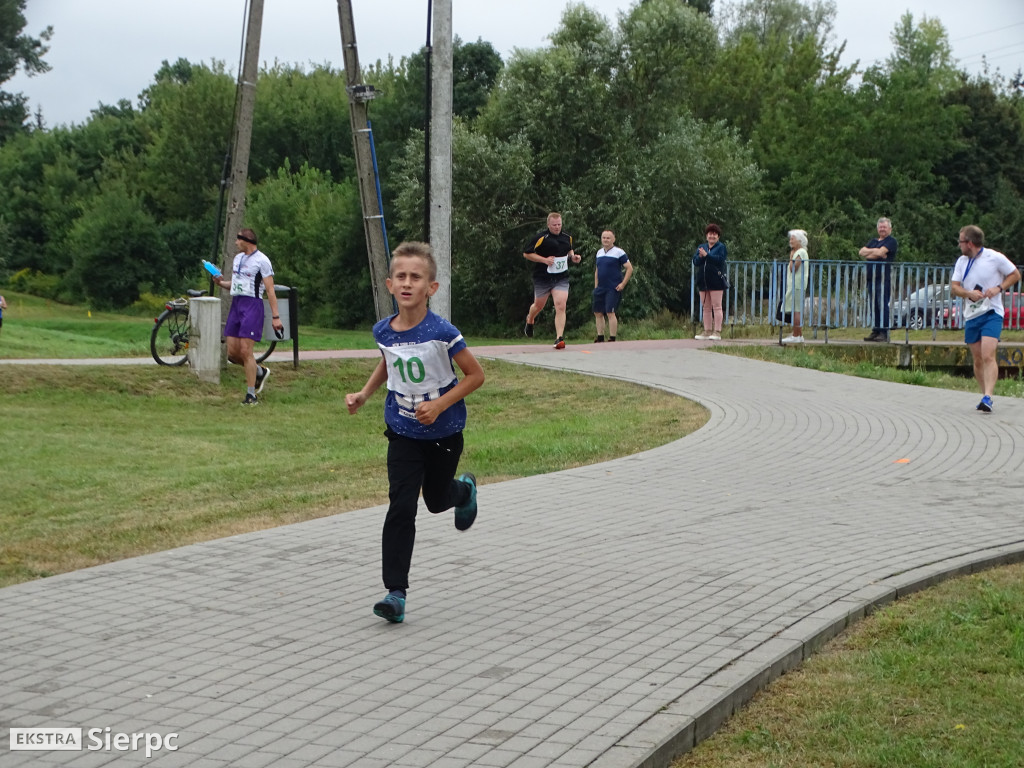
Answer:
(600, 617)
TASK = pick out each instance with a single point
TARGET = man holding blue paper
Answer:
(252, 275)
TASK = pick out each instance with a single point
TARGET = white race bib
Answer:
(419, 369)
(561, 264)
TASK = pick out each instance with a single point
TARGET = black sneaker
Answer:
(250, 400)
(600, 339)
(528, 328)
(261, 378)
(559, 343)
(465, 514)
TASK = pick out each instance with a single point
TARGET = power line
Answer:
(976, 58)
(988, 32)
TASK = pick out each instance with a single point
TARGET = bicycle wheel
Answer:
(169, 340)
(262, 349)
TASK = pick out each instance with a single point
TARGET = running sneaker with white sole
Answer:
(793, 340)
(250, 400)
(261, 378)
(702, 337)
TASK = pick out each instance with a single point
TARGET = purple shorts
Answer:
(245, 318)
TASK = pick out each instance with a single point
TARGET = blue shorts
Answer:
(989, 324)
(606, 300)
(245, 318)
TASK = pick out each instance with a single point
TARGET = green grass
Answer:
(106, 462)
(833, 359)
(37, 328)
(934, 680)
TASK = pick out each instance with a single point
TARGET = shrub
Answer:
(36, 283)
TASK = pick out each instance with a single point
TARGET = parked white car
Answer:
(924, 308)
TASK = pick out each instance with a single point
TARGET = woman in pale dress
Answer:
(797, 273)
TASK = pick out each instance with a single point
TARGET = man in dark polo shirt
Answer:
(550, 250)
(880, 253)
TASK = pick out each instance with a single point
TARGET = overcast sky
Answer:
(106, 50)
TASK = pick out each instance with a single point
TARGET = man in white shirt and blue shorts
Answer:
(980, 277)
(252, 275)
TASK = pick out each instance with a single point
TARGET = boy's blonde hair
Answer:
(418, 250)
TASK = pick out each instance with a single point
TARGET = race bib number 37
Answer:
(561, 264)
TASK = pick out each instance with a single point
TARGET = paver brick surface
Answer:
(596, 616)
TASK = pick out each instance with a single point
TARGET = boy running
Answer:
(425, 414)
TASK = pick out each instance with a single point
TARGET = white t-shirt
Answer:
(985, 270)
(247, 273)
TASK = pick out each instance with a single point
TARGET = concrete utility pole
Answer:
(245, 103)
(373, 217)
(440, 150)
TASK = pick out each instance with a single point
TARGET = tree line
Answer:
(674, 115)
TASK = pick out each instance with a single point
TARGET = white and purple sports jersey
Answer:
(419, 365)
(247, 273)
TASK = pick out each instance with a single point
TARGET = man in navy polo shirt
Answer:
(880, 253)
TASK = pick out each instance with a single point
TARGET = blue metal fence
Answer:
(837, 296)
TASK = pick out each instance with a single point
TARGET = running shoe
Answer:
(465, 514)
(793, 340)
(391, 608)
(985, 406)
(559, 343)
(528, 328)
(702, 337)
(715, 337)
(261, 378)
(250, 400)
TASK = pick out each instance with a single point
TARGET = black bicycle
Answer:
(169, 340)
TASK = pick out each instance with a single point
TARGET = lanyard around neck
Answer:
(970, 263)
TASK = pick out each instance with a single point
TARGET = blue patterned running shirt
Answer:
(419, 365)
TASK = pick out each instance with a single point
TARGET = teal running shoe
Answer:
(465, 514)
(391, 608)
